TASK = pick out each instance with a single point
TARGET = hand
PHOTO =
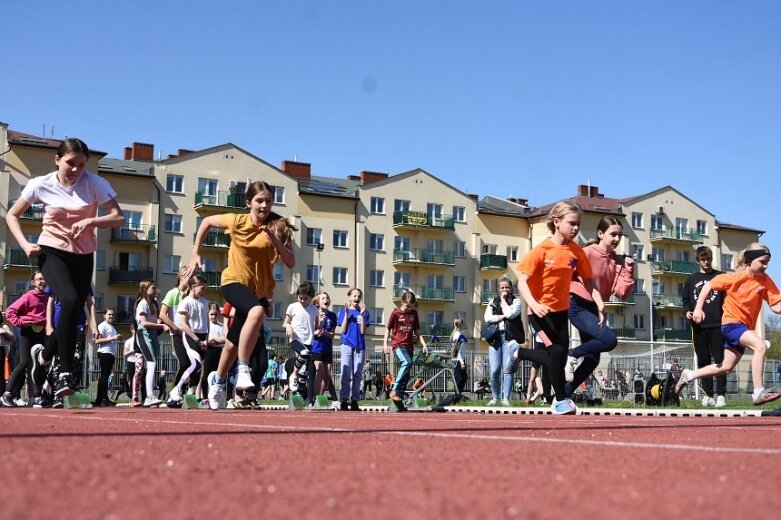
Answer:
(601, 316)
(629, 263)
(689, 315)
(698, 316)
(81, 226)
(362, 307)
(425, 350)
(190, 268)
(539, 310)
(386, 349)
(31, 249)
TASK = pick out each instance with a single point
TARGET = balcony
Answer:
(140, 234)
(424, 257)
(427, 294)
(212, 278)
(672, 334)
(676, 236)
(215, 239)
(17, 259)
(489, 262)
(615, 301)
(624, 332)
(666, 301)
(436, 329)
(422, 220)
(34, 212)
(124, 274)
(673, 267)
(222, 200)
(486, 296)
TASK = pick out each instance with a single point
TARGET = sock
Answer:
(63, 374)
(243, 363)
(758, 391)
(221, 380)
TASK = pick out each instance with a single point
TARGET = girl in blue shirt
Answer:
(323, 344)
(353, 320)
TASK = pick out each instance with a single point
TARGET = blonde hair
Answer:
(754, 246)
(458, 323)
(316, 299)
(282, 229)
(560, 210)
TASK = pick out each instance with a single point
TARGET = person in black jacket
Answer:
(706, 336)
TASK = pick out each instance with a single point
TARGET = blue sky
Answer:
(499, 98)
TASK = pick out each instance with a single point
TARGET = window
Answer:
(658, 288)
(435, 317)
(401, 205)
(459, 213)
(132, 219)
(658, 254)
(377, 242)
(681, 226)
(277, 312)
(637, 252)
(512, 254)
(340, 276)
(340, 238)
(680, 289)
(21, 287)
(278, 272)
(174, 183)
(639, 320)
(401, 280)
(459, 249)
(130, 261)
(401, 244)
(312, 273)
(377, 315)
(279, 194)
(124, 307)
(313, 236)
(434, 212)
(726, 262)
(459, 284)
(100, 260)
(435, 246)
(377, 278)
(97, 299)
(173, 223)
(435, 281)
(657, 222)
(639, 286)
(682, 256)
(489, 249)
(702, 227)
(378, 205)
(460, 315)
(208, 190)
(171, 263)
(207, 265)
(637, 219)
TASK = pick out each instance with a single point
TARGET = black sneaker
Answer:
(354, 406)
(343, 406)
(64, 386)
(7, 400)
(58, 403)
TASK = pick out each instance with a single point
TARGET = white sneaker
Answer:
(569, 368)
(175, 394)
(492, 402)
(152, 401)
(20, 402)
(216, 392)
(686, 376)
(708, 401)
(720, 401)
(244, 379)
(505, 402)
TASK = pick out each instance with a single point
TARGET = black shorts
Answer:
(326, 357)
(242, 300)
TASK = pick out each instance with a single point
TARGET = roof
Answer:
(736, 227)
(121, 166)
(496, 206)
(33, 141)
(607, 205)
(329, 186)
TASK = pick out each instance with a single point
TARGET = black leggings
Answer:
(709, 347)
(106, 367)
(553, 330)
(29, 338)
(182, 359)
(69, 275)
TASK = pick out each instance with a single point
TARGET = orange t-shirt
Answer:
(550, 268)
(743, 296)
(250, 255)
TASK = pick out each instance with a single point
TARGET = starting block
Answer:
(420, 403)
(77, 400)
(296, 403)
(396, 406)
(322, 403)
(191, 402)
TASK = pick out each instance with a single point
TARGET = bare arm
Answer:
(12, 221)
(699, 315)
(538, 309)
(206, 224)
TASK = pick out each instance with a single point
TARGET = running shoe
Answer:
(354, 406)
(564, 407)
(175, 394)
(37, 361)
(344, 405)
(58, 403)
(244, 379)
(20, 402)
(37, 402)
(492, 402)
(64, 386)
(152, 401)
(708, 401)
(569, 368)
(216, 391)
(505, 402)
(394, 396)
(766, 395)
(686, 376)
(720, 401)
(8, 400)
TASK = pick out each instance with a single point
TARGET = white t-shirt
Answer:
(216, 330)
(129, 345)
(66, 206)
(106, 330)
(4, 340)
(197, 312)
(143, 308)
(303, 321)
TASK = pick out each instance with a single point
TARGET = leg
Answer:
(357, 373)
(347, 372)
(495, 361)
(702, 349)
(402, 377)
(594, 339)
(716, 342)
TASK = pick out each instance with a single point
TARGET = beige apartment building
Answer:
(383, 233)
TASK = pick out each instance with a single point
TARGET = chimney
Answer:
(474, 196)
(593, 192)
(353, 178)
(297, 169)
(182, 152)
(583, 190)
(369, 177)
(140, 152)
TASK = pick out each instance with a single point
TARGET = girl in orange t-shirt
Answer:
(744, 292)
(544, 283)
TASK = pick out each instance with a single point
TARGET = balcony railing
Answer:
(666, 300)
(674, 267)
(423, 293)
(16, 258)
(624, 332)
(212, 278)
(423, 256)
(493, 262)
(486, 296)
(676, 235)
(34, 212)
(222, 199)
(672, 334)
(141, 233)
(421, 219)
(616, 301)
(216, 239)
(436, 329)
(120, 274)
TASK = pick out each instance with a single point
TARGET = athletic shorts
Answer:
(732, 333)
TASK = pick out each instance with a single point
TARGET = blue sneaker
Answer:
(564, 407)
(512, 360)
(216, 391)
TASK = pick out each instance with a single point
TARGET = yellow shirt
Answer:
(250, 255)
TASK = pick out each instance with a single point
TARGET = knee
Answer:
(256, 314)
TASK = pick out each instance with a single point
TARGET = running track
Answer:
(118, 464)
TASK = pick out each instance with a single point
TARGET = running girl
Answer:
(168, 315)
(193, 321)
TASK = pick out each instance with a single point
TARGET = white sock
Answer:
(758, 391)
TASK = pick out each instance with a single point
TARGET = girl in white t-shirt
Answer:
(67, 243)
(107, 351)
(192, 318)
(146, 312)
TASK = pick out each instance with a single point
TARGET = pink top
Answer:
(29, 309)
(610, 277)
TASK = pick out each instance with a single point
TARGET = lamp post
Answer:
(320, 246)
